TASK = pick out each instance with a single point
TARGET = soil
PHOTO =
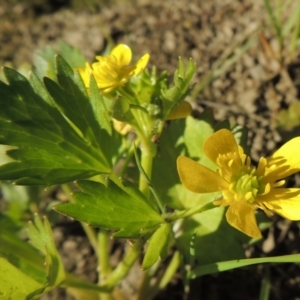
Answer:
(251, 91)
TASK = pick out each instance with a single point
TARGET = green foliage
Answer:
(120, 208)
(29, 271)
(184, 137)
(215, 239)
(50, 149)
(40, 236)
(60, 130)
(222, 266)
(44, 59)
(157, 246)
(17, 198)
(174, 96)
(15, 284)
(22, 255)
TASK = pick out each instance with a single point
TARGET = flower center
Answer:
(246, 185)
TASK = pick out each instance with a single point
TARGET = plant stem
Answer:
(145, 282)
(123, 267)
(151, 188)
(103, 255)
(188, 212)
(163, 281)
(171, 270)
(91, 235)
(148, 152)
(114, 277)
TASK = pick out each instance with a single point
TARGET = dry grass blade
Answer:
(229, 57)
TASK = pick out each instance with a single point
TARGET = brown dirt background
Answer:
(251, 92)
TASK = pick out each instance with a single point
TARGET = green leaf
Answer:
(100, 106)
(164, 165)
(15, 284)
(27, 260)
(158, 245)
(40, 235)
(51, 150)
(215, 239)
(22, 255)
(72, 98)
(180, 137)
(44, 62)
(221, 266)
(121, 109)
(124, 210)
(196, 133)
(176, 94)
(17, 199)
(72, 55)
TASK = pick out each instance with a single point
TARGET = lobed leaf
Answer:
(50, 149)
(40, 235)
(121, 209)
(15, 284)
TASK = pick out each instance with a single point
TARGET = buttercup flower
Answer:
(113, 70)
(245, 188)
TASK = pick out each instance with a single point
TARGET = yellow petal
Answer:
(141, 64)
(181, 111)
(285, 202)
(240, 215)
(221, 142)
(85, 73)
(198, 178)
(123, 55)
(287, 158)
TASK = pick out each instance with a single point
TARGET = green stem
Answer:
(103, 255)
(171, 270)
(164, 280)
(72, 281)
(145, 282)
(129, 155)
(127, 93)
(188, 212)
(91, 235)
(148, 152)
(114, 277)
(151, 188)
(104, 268)
(123, 267)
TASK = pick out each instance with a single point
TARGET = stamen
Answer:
(279, 183)
(248, 196)
(267, 188)
(248, 161)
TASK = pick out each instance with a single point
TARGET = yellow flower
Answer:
(244, 187)
(113, 70)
